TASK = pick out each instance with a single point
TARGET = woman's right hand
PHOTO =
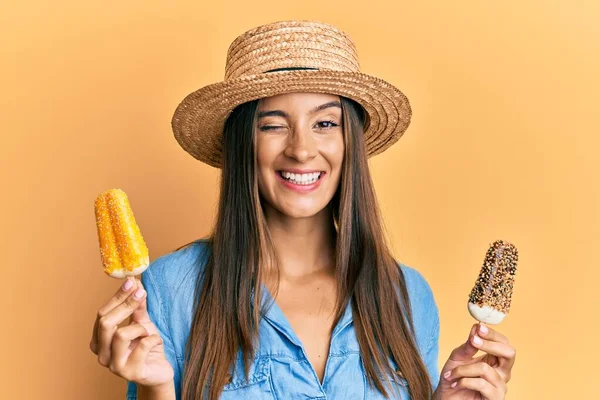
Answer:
(135, 351)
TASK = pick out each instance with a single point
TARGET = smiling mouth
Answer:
(301, 179)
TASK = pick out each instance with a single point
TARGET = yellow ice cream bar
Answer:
(122, 247)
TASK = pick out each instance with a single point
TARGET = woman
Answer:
(295, 294)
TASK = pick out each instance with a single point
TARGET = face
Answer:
(300, 149)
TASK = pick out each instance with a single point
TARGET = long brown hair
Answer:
(225, 317)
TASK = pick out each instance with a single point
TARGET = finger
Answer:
(466, 351)
(140, 314)
(107, 325)
(140, 353)
(94, 339)
(124, 291)
(477, 370)
(505, 352)
(480, 385)
(490, 334)
(121, 342)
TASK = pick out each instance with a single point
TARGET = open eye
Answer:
(330, 124)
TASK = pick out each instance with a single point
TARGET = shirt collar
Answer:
(277, 319)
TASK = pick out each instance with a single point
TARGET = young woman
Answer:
(295, 294)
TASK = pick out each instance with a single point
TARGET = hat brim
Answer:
(199, 119)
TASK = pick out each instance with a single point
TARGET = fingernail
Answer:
(483, 329)
(447, 374)
(127, 285)
(139, 294)
(453, 385)
(477, 340)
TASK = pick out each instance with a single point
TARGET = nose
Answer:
(301, 145)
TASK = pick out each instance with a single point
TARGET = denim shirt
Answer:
(280, 369)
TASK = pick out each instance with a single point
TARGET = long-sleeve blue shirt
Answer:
(280, 369)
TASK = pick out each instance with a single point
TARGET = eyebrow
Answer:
(280, 113)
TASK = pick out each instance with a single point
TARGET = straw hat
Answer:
(285, 57)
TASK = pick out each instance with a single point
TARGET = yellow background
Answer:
(502, 145)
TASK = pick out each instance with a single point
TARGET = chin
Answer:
(301, 210)
(300, 213)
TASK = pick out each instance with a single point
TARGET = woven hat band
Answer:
(290, 69)
(308, 46)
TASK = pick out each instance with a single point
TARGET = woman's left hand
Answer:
(483, 378)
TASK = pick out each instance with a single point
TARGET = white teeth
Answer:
(301, 179)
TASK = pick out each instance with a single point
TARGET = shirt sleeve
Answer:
(156, 312)
(433, 349)
(426, 320)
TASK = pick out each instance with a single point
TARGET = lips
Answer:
(300, 187)
(300, 179)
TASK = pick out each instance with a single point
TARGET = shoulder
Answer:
(419, 290)
(174, 275)
(172, 268)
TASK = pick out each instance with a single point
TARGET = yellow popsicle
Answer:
(122, 247)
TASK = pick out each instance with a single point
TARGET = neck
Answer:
(303, 246)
